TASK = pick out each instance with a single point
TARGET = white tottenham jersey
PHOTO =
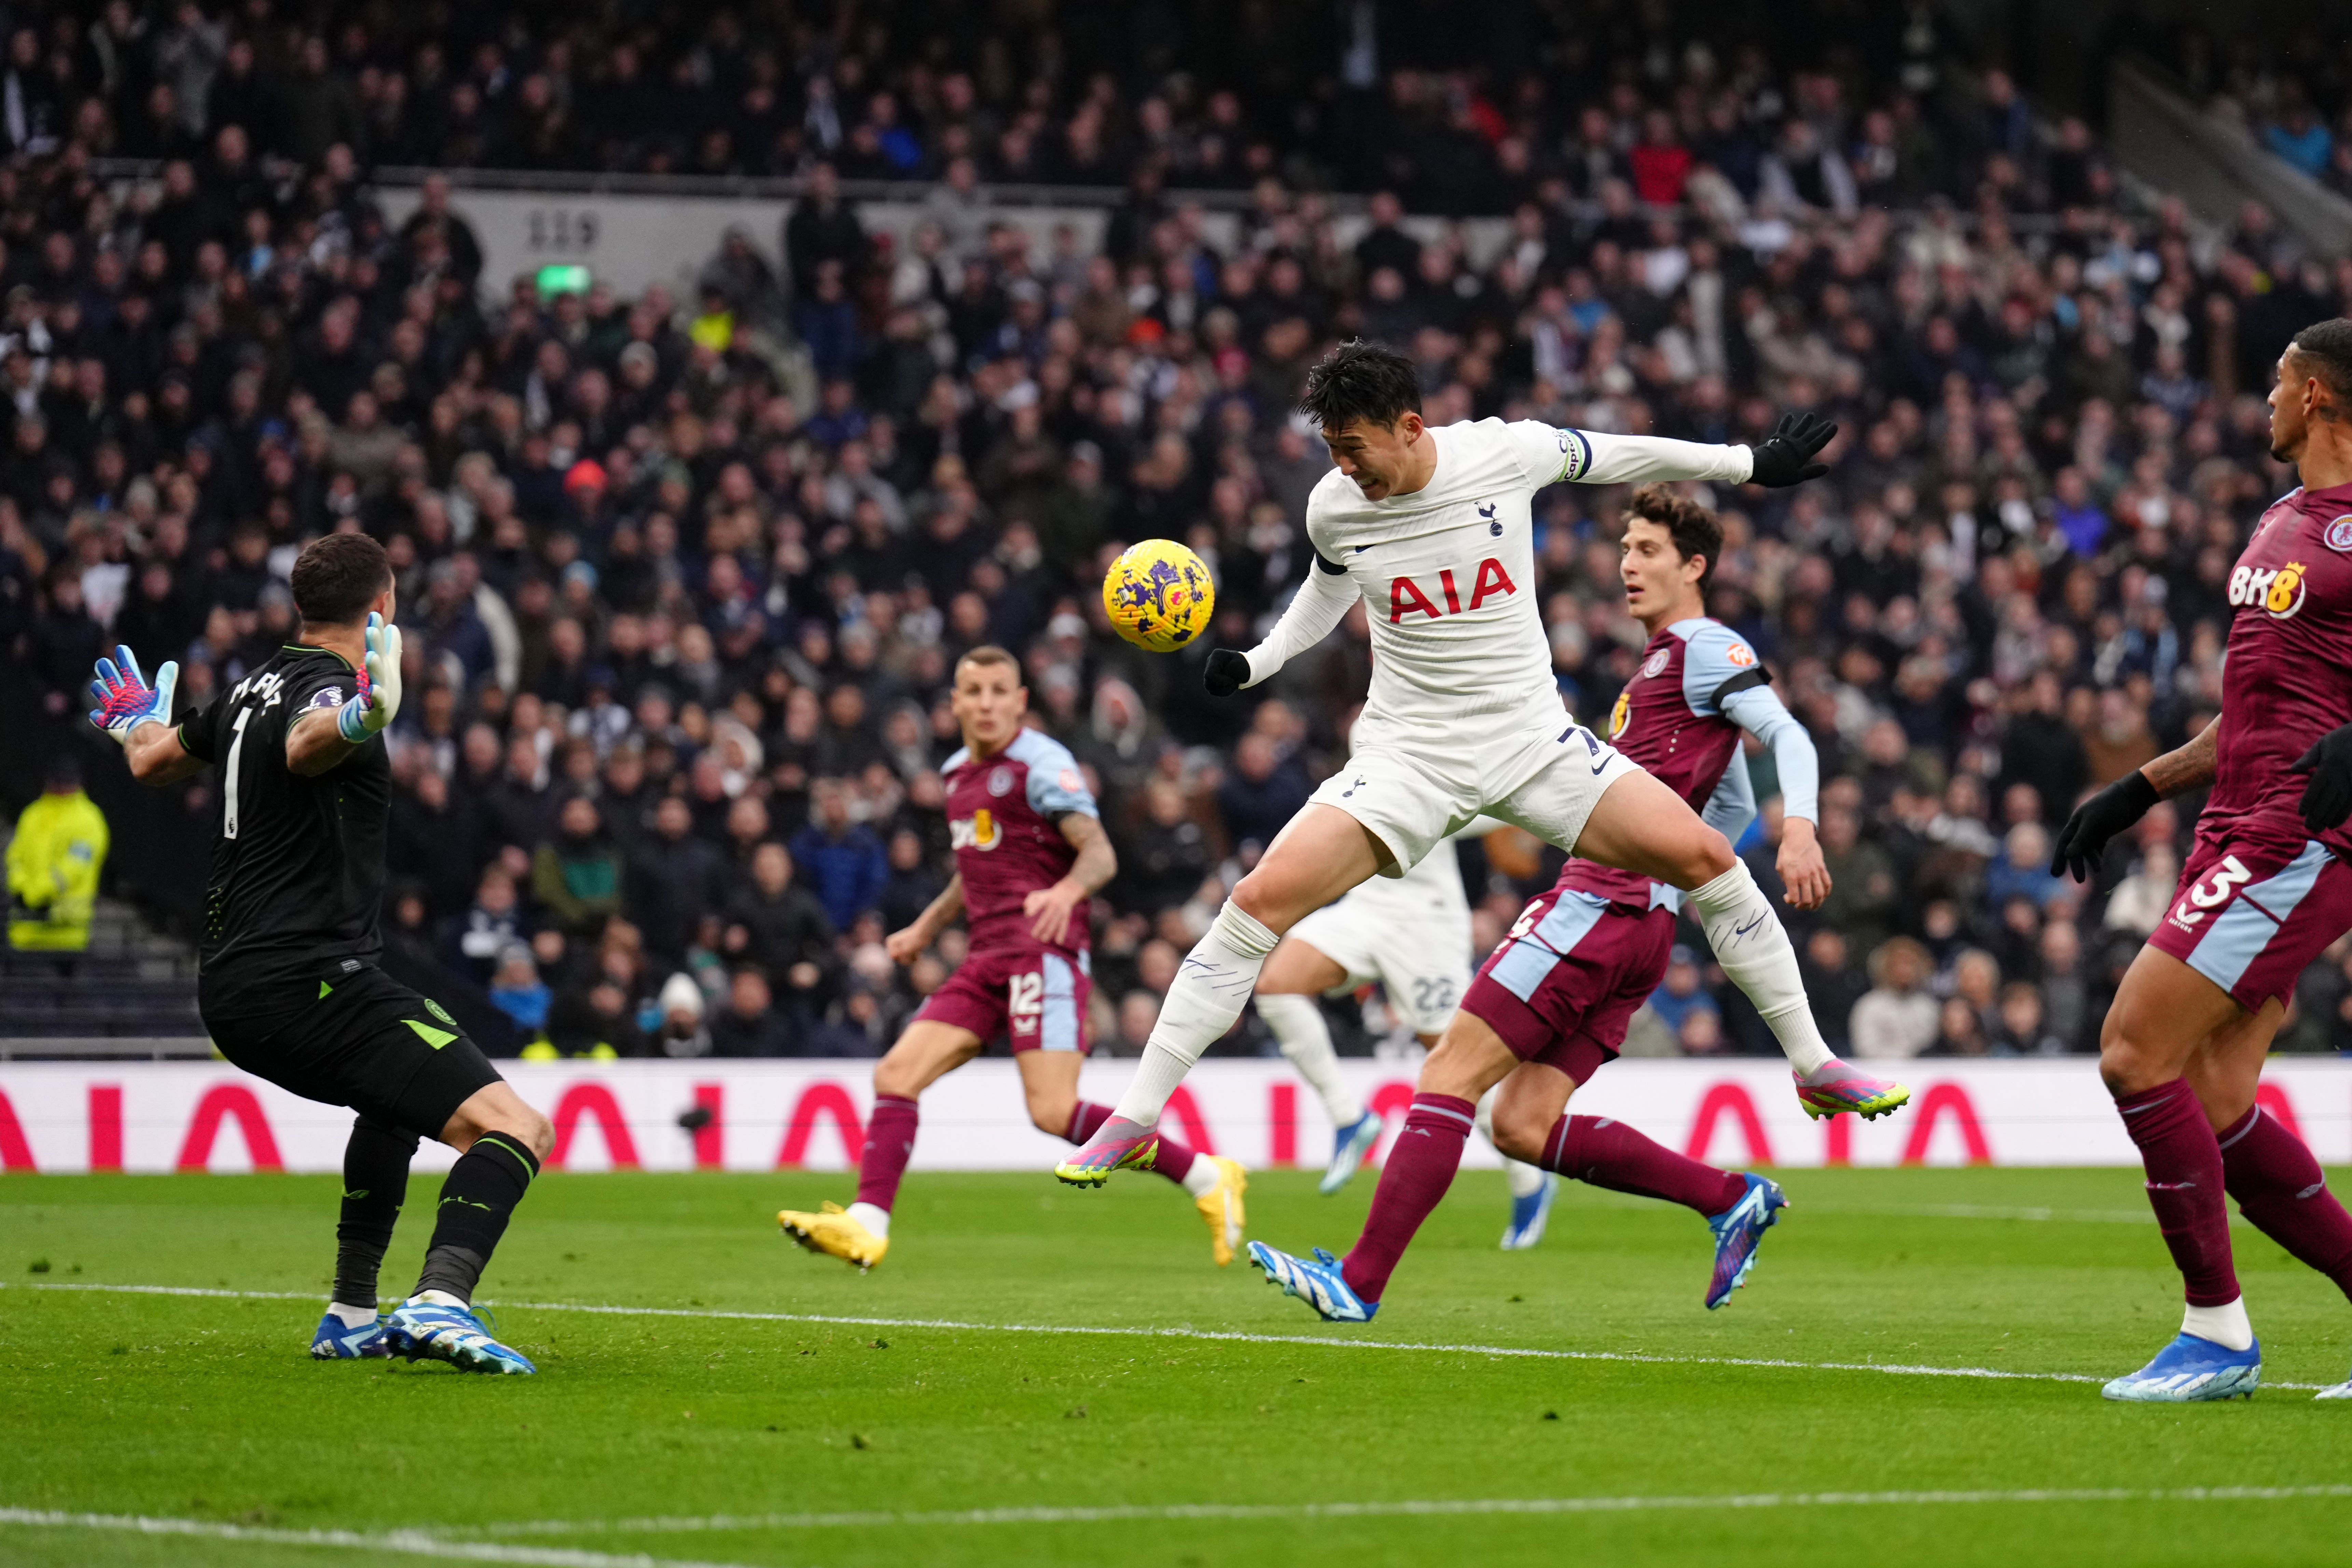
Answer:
(1447, 576)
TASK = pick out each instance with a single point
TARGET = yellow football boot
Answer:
(1221, 1207)
(836, 1235)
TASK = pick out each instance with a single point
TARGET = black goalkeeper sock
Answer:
(375, 1182)
(482, 1190)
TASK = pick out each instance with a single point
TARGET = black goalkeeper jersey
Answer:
(298, 870)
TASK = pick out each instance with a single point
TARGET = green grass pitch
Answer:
(704, 1438)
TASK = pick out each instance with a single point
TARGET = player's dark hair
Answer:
(2325, 350)
(988, 653)
(1359, 380)
(337, 578)
(1692, 527)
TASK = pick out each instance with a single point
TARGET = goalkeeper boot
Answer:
(425, 1330)
(336, 1341)
(1092, 1165)
(1349, 1146)
(1318, 1281)
(836, 1233)
(1738, 1232)
(1529, 1214)
(2191, 1369)
(1834, 1087)
(1221, 1207)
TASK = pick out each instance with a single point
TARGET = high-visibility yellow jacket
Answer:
(53, 866)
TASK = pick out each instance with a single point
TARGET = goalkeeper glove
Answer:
(125, 700)
(1226, 672)
(2083, 840)
(1786, 457)
(377, 701)
(2327, 798)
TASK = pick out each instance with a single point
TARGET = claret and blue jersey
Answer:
(1004, 813)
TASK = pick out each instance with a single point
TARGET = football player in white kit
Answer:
(1411, 935)
(1430, 528)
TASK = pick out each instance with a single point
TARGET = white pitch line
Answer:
(1400, 1507)
(1639, 1358)
(408, 1543)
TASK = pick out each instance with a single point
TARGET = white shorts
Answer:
(1547, 782)
(1423, 965)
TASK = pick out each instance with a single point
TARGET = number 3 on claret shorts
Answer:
(2214, 891)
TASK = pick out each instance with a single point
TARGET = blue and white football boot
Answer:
(338, 1341)
(2336, 1391)
(1316, 1281)
(1529, 1214)
(431, 1330)
(2191, 1369)
(1738, 1232)
(1349, 1146)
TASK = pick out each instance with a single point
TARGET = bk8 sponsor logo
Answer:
(2279, 590)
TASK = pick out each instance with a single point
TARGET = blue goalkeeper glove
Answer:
(377, 703)
(125, 700)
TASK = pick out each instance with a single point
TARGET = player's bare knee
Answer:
(540, 1133)
(1051, 1114)
(1519, 1135)
(895, 1077)
(1709, 857)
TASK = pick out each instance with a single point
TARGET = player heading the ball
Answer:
(1429, 527)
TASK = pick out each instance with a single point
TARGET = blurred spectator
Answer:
(576, 876)
(842, 860)
(747, 1025)
(1898, 1017)
(516, 991)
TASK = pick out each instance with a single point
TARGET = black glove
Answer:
(1226, 672)
(2083, 839)
(2328, 798)
(1786, 457)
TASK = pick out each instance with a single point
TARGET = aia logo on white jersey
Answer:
(2278, 590)
(1407, 597)
(981, 830)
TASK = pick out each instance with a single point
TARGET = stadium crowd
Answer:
(683, 584)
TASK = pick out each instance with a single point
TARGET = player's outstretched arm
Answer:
(1050, 908)
(1804, 872)
(139, 717)
(906, 944)
(2083, 840)
(322, 737)
(1785, 458)
(1320, 604)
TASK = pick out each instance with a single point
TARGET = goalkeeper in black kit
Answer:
(287, 977)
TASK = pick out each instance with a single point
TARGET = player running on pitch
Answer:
(1410, 933)
(1430, 528)
(1030, 851)
(1558, 993)
(287, 981)
(2265, 889)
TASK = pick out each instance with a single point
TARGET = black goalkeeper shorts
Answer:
(367, 1042)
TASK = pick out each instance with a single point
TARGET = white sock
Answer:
(873, 1218)
(1216, 980)
(1204, 1176)
(1306, 1039)
(441, 1298)
(1526, 1180)
(1753, 948)
(350, 1317)
(2225, 1326)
